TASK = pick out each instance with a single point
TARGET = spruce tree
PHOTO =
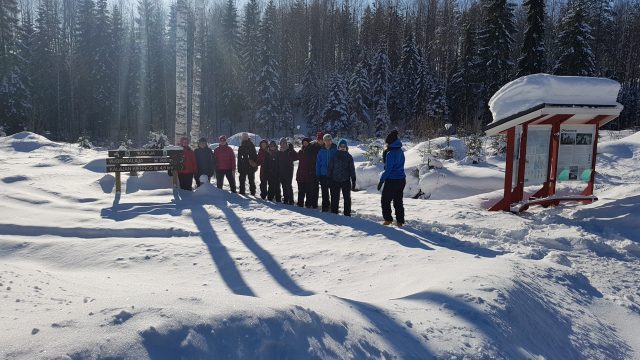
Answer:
(335, 115)
(381, 84)
(496, 41)
(359, 94)
(268, 79)
(576, 56)
(409, 76)
(250, 50)
(311, 97)
(532, 60)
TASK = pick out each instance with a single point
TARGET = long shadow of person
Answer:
(221, 258)
(272, 266)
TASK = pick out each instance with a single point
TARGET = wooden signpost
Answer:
(120, 161)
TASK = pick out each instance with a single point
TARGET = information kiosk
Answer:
(551, 124)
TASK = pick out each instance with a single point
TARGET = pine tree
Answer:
(464, 86)
(576, 57)
(199, 39)
(532, 60)
(600, 16)
(84, 67)
(335, 115)
(359, 94)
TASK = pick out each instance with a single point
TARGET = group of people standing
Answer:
(323, 167)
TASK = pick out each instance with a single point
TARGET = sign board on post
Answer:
(132, 161)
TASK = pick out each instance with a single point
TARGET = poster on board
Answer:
(575, 154)
(537, 158)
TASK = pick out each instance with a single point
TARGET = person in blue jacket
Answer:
(322, 164)
(394, 180)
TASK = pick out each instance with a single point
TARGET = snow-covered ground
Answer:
(162, 274)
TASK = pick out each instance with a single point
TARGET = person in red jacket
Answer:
(225, 164)
(262, 153)
(189, 166)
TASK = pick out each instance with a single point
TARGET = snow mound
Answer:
(236, 140)
(461, 181)
(26, 142)
(528, 91)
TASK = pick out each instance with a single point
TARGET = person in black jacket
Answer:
(270, 172)
(247, 164)
(342, 174)
(205, 161)
(286, 157)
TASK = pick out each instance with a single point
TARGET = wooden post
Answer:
(118, 183)
(505, 203)
(589, 189)
(518, 192)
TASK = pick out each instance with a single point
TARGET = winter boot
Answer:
(399, 224)
(387, 223)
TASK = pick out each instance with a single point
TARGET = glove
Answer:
(380, 185)
(353, 186)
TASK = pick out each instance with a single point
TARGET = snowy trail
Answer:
(158, 273)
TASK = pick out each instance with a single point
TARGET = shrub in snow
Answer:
(373, 154)
(428, 159)
(126, 144)
(446, 152)
(475, 151)
(84, 142)
(2, 132)
(498, 145)
(156, 140)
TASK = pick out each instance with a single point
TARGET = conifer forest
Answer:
(116, 70)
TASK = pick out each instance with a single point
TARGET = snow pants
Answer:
(325, 184)
(393, 192)
(221, 174)
(186, 181)
(252, 182)
(345, 188)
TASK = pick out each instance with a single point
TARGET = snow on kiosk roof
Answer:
(537, 98)
(556, 115)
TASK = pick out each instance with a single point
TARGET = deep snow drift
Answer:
(162, 274)
(531, 90)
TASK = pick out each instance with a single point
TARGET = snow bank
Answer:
(236, 140)
(461, 181)
(528, 91)
(26, 142)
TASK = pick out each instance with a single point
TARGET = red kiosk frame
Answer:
(554, 115)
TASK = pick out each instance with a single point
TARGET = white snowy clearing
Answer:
(162, 274)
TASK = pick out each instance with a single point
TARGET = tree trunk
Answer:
(197, 71)
(181, 71)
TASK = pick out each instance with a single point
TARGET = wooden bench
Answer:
(132, 161)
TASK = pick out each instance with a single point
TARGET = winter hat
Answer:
(283, 140)
(343, 142)
(308, 140)
(184, 141)
(273, 143)
(319, 135)
(392, 137)
(222, 138)
(327, 137)
(203, 140)
(245, 136)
